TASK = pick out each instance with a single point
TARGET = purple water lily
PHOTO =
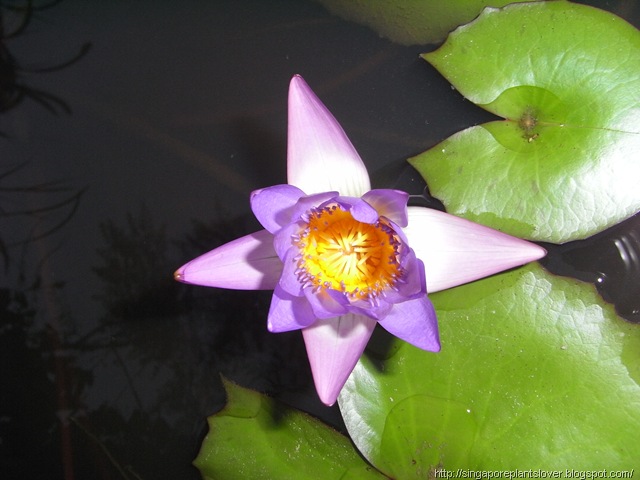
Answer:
(341, 257)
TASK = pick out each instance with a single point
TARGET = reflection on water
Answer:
(162, 346)
(109, 367)
(610, 260)
(13, 89)
(32, 211)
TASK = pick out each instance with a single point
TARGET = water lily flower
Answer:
(341, 257)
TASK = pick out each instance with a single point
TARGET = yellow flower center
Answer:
(341, 253)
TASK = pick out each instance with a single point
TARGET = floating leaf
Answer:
(535, 372)
(256, 437)
(566, 162)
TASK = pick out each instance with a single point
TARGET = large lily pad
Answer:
(257, 437)
(566, 161)
(410, 22)
(535, 372)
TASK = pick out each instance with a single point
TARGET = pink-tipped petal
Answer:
(273, 206)
(334, 346)
(247, 263)
(457, 251)
(389, 203)
(414, 321)
(320, 157)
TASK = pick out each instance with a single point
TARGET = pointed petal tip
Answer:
(329, 400)
(328, 392)
(182, 275)
(297, 82)
(526, 251)
(540, 252)
(178, 276)
(298, 85)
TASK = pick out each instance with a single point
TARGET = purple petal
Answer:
(311, 201)
(413, 282)
(456, 251)
(334, 346)
(289, 278)
(359, 209)
(320, 157)
(414, 321)
(288, 312)
(283, 240)
(377, 310)
(389, 203)
(247, 263)
(327, 303)
(272, 206)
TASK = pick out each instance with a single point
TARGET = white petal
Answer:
(334, 346)
(457, 251)
(320, 157)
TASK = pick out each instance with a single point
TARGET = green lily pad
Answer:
(411, 22)
(566, 161)
(535, 372)
(256, 437)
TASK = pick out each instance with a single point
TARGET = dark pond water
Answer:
(138, 154)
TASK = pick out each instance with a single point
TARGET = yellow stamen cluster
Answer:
(341, 253)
